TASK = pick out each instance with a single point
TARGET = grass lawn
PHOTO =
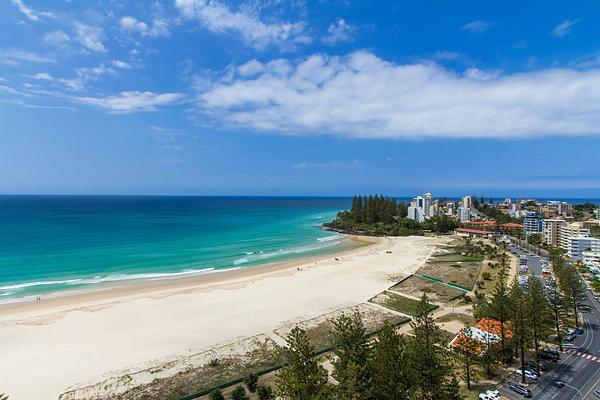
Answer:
(465, 319)
(396, 302)
(415, 286)
(462, 274)
(453, 257)
(488, 285)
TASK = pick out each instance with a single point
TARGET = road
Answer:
(579, 364)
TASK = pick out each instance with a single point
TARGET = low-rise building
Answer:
(590, 258)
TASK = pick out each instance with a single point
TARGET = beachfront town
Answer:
(574, 229)
(548, 238)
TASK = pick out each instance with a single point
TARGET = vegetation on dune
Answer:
(378, 216)
(392, 367)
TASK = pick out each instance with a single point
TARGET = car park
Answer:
(522, 390)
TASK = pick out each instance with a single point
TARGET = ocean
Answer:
(51, 244)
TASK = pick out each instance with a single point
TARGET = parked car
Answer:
(570, 336)
(522, 390)
(533, 365)
(597, 393)
(578, 331)
(558, 383)
(490, 395)
(529, 374)
(550, 355)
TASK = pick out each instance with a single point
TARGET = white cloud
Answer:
(43, 76)
(90, 37)
(72, 84)
(18, 56)
(251, 68)
(475, 27)
(338, 32)
(361, 95)
(121, 64)
(131, 24)
(218, 18)
(56, 38)
(132, 101)
(329, 164)
(87, 73)
(29, 12)
(564, 28)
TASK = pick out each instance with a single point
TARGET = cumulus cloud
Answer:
(131, 24)
(251, 68)
(564, 28)
(131, 101)
(218, 18)
(338, 32)
(29, 12)
(475, 27)
(90, 37)
(361, 95)
(56, 38)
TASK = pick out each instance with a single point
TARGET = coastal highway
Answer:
(579, 364)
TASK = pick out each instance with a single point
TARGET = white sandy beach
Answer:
(51, 346)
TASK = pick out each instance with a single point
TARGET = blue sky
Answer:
(300, 97)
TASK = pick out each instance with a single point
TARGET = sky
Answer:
(273, 97)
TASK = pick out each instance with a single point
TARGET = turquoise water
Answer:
(54, 243)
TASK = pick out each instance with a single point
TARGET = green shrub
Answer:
(264, 393)
(239, 393)
(216, 395)
(487, 276)
(250, 381)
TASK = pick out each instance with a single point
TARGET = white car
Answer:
(490, 395)
(528, 374)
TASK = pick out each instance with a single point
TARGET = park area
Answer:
(416, 286)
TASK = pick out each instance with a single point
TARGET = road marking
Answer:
(585, 356)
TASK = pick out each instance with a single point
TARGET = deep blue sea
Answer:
(54, 243)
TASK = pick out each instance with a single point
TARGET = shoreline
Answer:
(122, 290)
(71, 342)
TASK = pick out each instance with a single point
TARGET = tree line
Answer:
(532, 313)
(379, 215)
(390, 367)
